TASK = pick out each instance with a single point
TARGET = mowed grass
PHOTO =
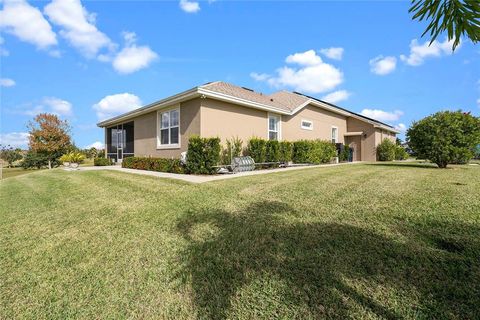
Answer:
(357, 241)
(15, 171)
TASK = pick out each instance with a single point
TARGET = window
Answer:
(334, 134)
(307, 124)
(169, 128)
(273, 127)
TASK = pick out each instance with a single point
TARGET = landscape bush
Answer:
(344, 154)
(37, 160)
(203, 155)
(233, 148)
(445, 137)
(386, 150)
(102, 161)
(257, 149)
(400, 153)
(151, 164)
(313, 151)
(285, 152)
(74, 157)
(272, 151)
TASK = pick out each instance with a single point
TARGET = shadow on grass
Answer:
(405, 165)
(319, 262)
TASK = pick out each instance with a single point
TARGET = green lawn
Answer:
(13, 172)
(358, 241)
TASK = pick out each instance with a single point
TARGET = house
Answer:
(223, 110)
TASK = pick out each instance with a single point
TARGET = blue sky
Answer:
(89, 60)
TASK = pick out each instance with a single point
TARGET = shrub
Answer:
(75, 157)
(152, 164)
(400, 153)
(301, 150)
(103, 161)
(233, 148)
(285, 152)
(344, 153)
(257, 149)
(445, 137)
(272, 151)
(36, 160)
(313, 151)
(203, 155)
(322, 152)
(386, 150)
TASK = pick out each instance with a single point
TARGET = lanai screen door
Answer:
(120, 141)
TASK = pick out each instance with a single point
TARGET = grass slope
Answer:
(361, 241)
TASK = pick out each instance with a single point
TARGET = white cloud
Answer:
(6, 82)
(189, 6)
(312, 76)
(383, 65)
(259, 76)
(27, 23)
(307, 58)
(3, 52)
(132, 57)
(58, 106)
(116, 104)
(401, 127)
(14, 139)
(97, 145)
(337, 96)
(332, 53)
(78, 26)
(53, 105)
(419, 52)
(382, 115)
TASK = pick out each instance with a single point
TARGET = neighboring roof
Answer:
(283, 102)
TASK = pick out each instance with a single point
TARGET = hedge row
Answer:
(102, 162)
(203, 155)
(302, 151)
(153, 164)
(313, 151)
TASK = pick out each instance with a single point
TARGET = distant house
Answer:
(223, 110)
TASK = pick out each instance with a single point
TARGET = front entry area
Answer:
(119, 141)
(355, 144)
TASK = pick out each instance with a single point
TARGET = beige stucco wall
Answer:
(145, 131)
(226, 120)
(213, 118)
(383, 134)
(368, 152)
(323, 120)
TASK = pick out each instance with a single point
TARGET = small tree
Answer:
(445, 137)
(49, 136)
(10, 155)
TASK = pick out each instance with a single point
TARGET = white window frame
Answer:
(279, 125)
(304, 127)
(159, 127)
(336, 134)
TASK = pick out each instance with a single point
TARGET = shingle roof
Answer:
(282, 100)
(289, 99)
